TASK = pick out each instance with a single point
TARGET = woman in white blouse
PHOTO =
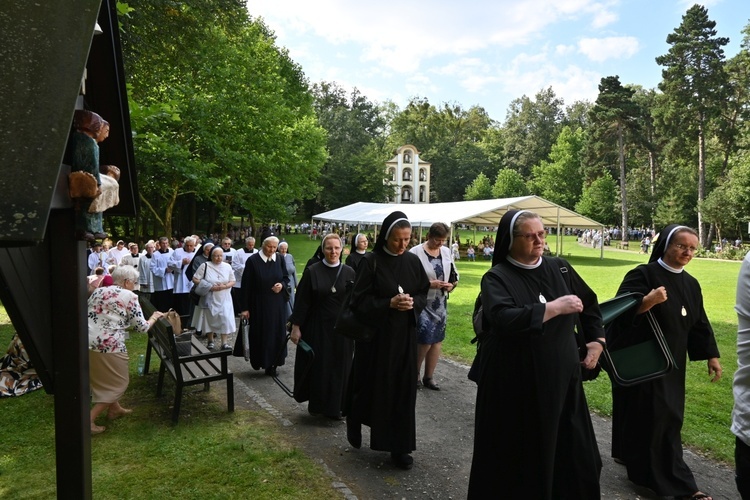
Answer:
(111, 311)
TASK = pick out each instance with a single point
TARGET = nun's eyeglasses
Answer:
(532, 236)
(685, 248)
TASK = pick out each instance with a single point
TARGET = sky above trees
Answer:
(485, 53)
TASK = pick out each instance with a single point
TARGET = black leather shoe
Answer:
(402, 460)
(271, 371)
(428, 382)
(354, 433)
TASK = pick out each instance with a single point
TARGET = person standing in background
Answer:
(291, 270)
(438, 264)
(358, 250)
(161, 298)
(133, 259)
(264, 296)
(180, 263)
(741, 385)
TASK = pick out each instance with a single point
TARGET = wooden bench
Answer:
(200, 366)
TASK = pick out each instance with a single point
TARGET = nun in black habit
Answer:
(319, 297)
(265, 292)
(533, 436)
(358, 250)
(390, 292)
(647, 418)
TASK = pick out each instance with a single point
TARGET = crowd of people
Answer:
(530, 401)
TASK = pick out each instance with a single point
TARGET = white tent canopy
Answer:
(474, 213)
(479, 212)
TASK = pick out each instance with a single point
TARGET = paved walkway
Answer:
(445, 432)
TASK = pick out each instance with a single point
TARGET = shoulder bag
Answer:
(202, 288)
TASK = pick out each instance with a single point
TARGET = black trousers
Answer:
(742, 468)
(163, 300)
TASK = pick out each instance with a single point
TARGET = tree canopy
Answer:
(226, 123)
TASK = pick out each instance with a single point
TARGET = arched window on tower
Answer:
(407, 174)
(392, 173)
(422, 197)
(407, 157)
(406, 194)
(422, 175)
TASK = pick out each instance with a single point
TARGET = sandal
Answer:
(427, 382)
(97, 429)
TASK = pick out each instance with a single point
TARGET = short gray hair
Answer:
(122, 273)
(271, 238)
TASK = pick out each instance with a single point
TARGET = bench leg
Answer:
(160, 383)
(177, 402)
(207, 387)
(230, 392)
(148, 356)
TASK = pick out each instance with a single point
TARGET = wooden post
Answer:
(67, 264)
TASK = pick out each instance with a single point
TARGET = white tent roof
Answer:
(479, 212)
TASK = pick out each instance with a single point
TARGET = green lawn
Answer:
(245, 451)
(210, 454)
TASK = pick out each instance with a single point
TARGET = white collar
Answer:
(524, 266)
(325, 262)
(668, 267)
(272, 258)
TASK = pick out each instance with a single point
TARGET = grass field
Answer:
(245, 450)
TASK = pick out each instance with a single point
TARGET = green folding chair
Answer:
(640, 362)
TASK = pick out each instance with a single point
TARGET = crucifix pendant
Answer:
(333, 289)
(684, 312)
(542, 299)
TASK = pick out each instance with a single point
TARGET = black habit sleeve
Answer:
(508, 315)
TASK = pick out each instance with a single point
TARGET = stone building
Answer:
(409, 176)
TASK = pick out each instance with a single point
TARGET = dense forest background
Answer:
(227, 125)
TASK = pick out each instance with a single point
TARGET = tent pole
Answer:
(558, 242)
(601, 254)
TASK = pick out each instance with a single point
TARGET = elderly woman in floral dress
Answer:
(111, 311)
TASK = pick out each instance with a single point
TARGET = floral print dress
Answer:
(111, 311)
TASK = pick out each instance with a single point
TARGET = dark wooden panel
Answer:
(106, 72)
(43, 51)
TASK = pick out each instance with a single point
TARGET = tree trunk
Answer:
(702, 233)
(623, 185)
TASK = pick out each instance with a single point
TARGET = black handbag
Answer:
(348, 322)
(645, 356)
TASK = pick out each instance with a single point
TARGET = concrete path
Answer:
(445, 433)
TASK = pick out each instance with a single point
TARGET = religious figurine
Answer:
(82, 154)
